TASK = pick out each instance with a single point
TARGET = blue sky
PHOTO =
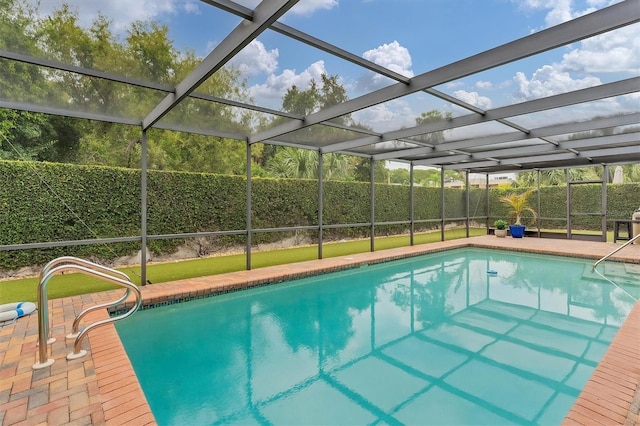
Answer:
(407, 36)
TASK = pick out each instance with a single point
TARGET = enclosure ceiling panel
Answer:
(584, 95)
(543, 130)
(591, 149)
(594, 156)
(265, 14)
(607, 19)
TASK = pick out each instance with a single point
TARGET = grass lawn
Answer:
(24, 289)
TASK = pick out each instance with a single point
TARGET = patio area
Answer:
(145, 101)
(102, 388)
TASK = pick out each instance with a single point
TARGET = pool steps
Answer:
(68, 263)
(626, 271)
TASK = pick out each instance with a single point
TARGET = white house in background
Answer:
(479, 181)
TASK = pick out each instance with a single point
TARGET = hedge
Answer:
(42, 202)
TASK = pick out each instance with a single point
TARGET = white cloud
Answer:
(374, 114)
(388, 116)
(192, 7)
(270, 92)
(303, 7)
(583, 63)
(121, 12)
(453, 84)
(307, 7)
(473, 98)
(255, 59)
(615, 51)
(580, 112)
(549, 81)
(559, 10)
(392, 56)
(484, 85)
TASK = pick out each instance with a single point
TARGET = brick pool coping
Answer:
(102, 388)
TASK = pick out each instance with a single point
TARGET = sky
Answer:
(407, 36)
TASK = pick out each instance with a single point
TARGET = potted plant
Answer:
(518, 205)
(501, 228)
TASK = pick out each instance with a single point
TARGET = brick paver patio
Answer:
(101, 388)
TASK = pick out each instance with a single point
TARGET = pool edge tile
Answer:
(29, 397)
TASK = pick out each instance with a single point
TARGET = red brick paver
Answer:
(102, 389)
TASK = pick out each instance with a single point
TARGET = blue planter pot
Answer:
(517, 231)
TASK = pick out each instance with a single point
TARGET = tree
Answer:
(399, 176)
(291, 162)
(337, 167)
(518, 203)
(26, 135)
(303, 163)
(362, 171)
(31, 136)
(555, 177)
(301, 102)
(433, 138)
(20, 81)
(20, 135)
(144, 52)
(558, 176)
(428, 177)
(294, 163)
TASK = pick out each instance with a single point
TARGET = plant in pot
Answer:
(501, 228)
(518, 203)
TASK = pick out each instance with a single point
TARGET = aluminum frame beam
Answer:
(309, 40)
(540, 132)
(607, 19)
(576, 144)
(266, 13)
(602, 91)
(343, 54)
(520, 153)
(535, 43)
(118, 78)
(22, 106)
(590, 156)
(285, 30)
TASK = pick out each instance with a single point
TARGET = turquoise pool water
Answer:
(428, 340)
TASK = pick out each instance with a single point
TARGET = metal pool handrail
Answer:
(72, 261)
(616, 250)
(69, 263)
(608, 256)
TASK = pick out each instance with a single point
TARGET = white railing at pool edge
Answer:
(68, 263)
(616, 250)
(608, 256)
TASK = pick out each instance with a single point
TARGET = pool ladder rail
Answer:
(595, 265)
(74, 264)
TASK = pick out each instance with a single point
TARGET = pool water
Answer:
(427, 340)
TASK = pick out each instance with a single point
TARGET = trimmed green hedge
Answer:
(622, 201)
(41, 202)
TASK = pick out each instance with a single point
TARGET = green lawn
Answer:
(24, 290)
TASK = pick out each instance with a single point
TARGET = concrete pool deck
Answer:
(101, 388)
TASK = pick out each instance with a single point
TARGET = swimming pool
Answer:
(427, 340)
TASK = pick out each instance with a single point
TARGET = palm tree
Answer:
(336, 167)
(518, 205)
(294, 163)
